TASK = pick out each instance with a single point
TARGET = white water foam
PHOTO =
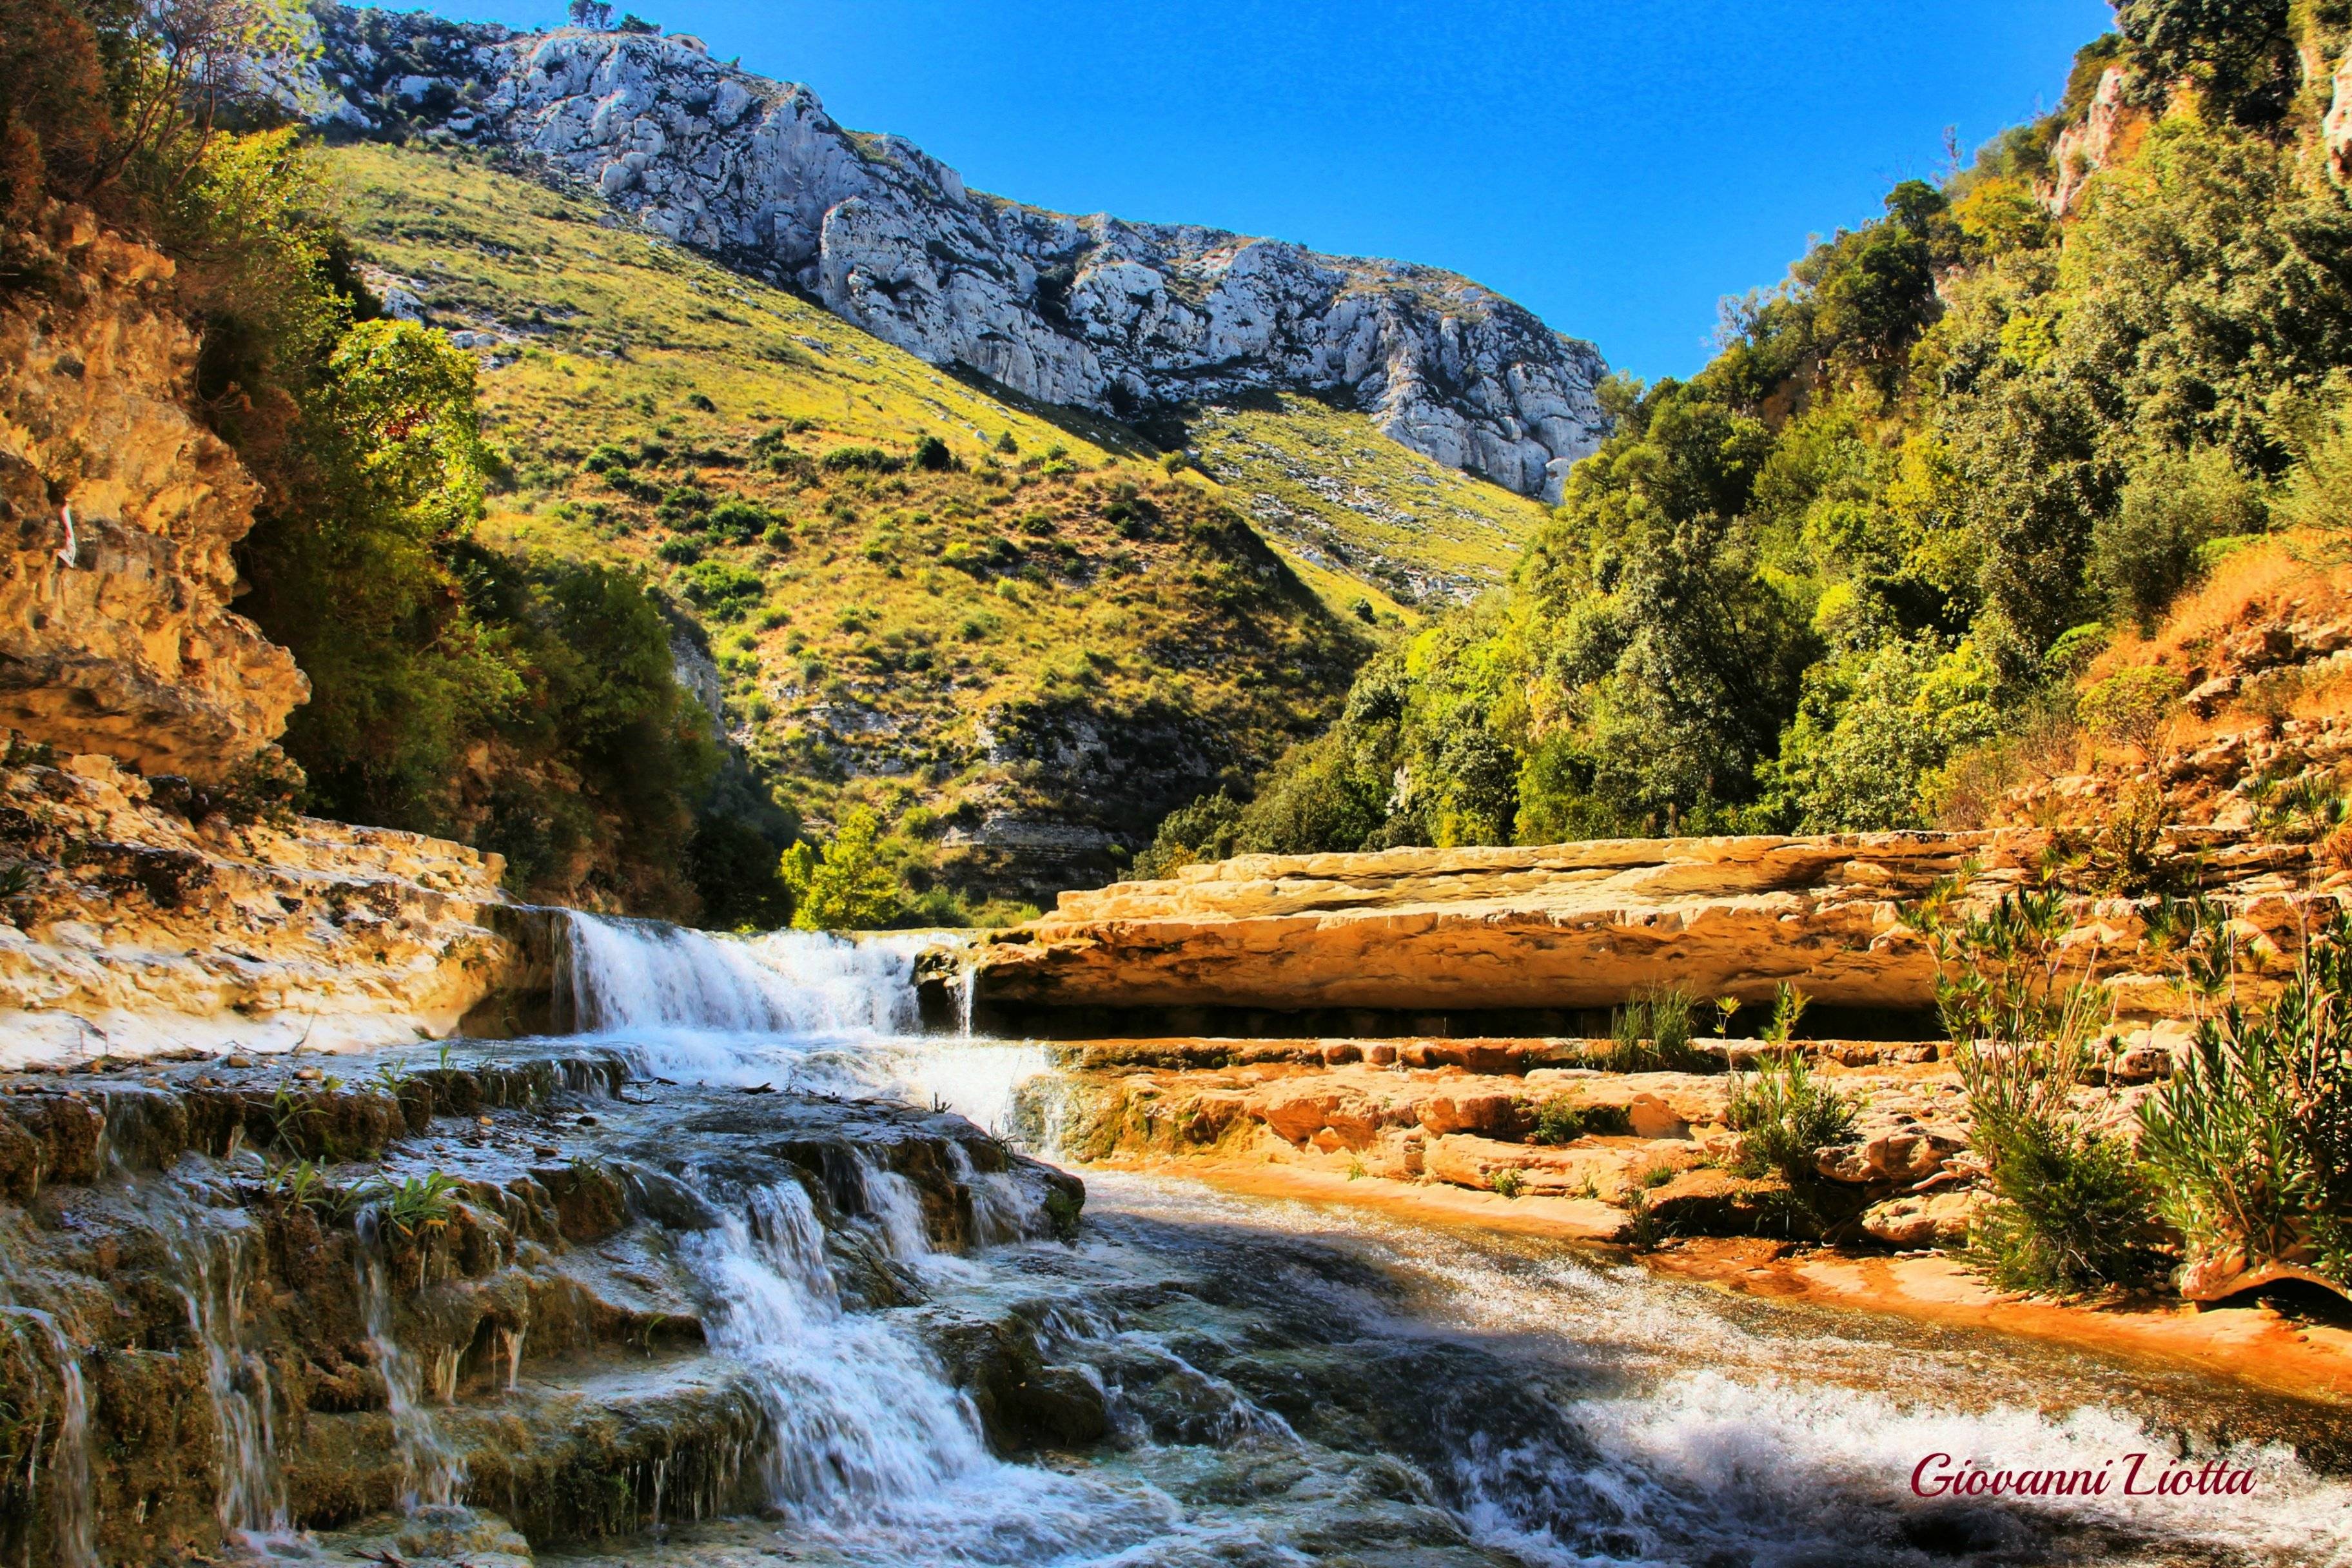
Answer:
(874, 1451)
(629, 975)
(804, 1010)
(1774, 1445)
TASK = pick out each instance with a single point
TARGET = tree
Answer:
(2240, 51)
(844, 887)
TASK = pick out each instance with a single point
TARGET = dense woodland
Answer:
(1831, 580)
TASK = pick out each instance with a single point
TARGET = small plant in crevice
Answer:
(1643, 1229)
(1507, 1181)
(1651, 1033)
(1788, 1004)
(417, 1206)
(1564, 1119)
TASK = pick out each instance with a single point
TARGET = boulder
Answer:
(1925, 1219)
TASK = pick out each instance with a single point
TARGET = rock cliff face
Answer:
(1114, 316)
(134, 919)
(1580, 926)
(117, 513)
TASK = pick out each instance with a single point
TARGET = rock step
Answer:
(1486, 1056)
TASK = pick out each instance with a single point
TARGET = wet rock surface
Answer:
(230, 1251)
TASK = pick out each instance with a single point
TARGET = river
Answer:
(1296, 1383)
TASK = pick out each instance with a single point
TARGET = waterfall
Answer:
(431, 1472)
(630, 976)
(73, 1510)
(795, 1009)
(213, 1277)
(860, 1413)
(871, 1444)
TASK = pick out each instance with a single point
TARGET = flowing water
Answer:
(431, 1472)
(1293, 1382)
(74, 1524)
(213, 1273)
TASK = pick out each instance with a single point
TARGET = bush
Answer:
(1564, 1119)
(2073, 1212)
(1783, 1115)
(845, 459)
(2145, 552)
(844, 887)
(2250, 1140)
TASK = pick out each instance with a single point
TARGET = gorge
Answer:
(712, 853)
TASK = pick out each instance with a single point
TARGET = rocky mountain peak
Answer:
(1094, 311)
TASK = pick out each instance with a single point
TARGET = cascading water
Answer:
(73, 1513)
(213, 1274)
(795, 1009)
(877, 1454)
(637, 975)
(870, 1442)
(431, 1472)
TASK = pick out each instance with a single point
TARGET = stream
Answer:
(1246, 1381)
(1294, 1381)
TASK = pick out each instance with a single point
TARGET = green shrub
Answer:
(2073, 1212)
(845, 886)
(1783, 1114)
(845, 459)
(1564, 1119)
(1651, 1033)
(1506, 1183)
(2251, 1140)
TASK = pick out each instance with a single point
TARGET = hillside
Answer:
(1025, 641)
(1900, 548)
(1125, 318)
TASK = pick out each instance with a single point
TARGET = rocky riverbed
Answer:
(751, 1271)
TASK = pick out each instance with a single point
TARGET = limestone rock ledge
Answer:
(1586, 925)
(138, 917)
(117, 514)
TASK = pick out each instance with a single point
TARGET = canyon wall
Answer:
(117, 514)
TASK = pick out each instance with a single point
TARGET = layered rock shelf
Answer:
(146, 915)
(1580, 927)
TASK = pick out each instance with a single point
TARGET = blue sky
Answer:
(1618, 167)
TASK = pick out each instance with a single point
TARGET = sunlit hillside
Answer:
(1018, 636)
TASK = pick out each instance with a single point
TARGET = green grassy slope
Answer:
(1326, 483)
(1056, 633)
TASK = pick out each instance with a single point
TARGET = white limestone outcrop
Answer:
(1093, 311)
